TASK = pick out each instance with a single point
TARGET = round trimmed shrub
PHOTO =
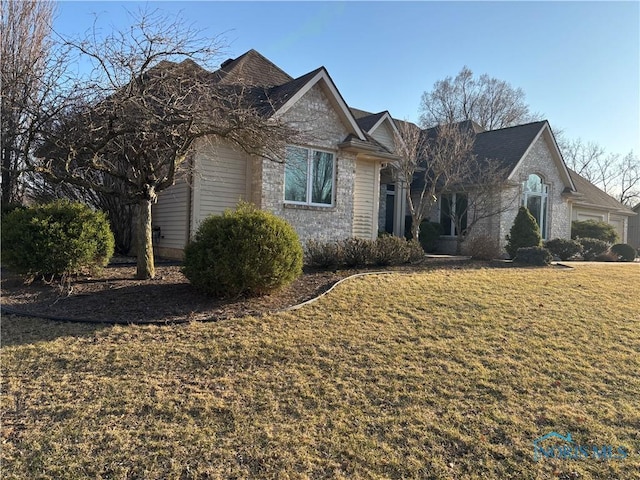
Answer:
(538, 256)
(56, 239)
(243, 251)
(624, 251)
(524, 232)
(592, 247)
(563, 248)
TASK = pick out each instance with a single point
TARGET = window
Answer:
(453, 210)
(534, 197)
(309, 176)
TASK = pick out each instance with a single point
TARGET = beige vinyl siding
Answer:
(221, 181)
(384, 135)
(365, 214)
(171, 215)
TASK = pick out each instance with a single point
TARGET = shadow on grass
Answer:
(19, 330)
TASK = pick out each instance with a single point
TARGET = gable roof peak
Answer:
(251, 68)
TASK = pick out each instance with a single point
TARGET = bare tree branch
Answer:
(489, 102)
(149, 103)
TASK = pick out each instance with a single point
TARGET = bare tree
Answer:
(484, 196)
(431, 162)
(616, 175)
(440, 162)
(489, 102)
(629, 183)
(140, 115)
(30, 80)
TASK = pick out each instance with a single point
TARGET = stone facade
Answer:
(323, 129)
(539, 160)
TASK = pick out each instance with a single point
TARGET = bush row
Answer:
(357, 252)
(590, 249)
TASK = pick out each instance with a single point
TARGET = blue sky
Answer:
(577, 62)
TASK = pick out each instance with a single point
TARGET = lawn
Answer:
(447, 374)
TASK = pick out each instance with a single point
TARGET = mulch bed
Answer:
(117, 297)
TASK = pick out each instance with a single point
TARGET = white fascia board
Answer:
(559, 159)
(323, 76)
(384, 117)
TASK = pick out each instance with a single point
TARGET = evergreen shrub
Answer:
(245, 251)
(563, 248)
(624, 251)
(429, 235)
(593, 229)
(524, 233)
(592, 247)
(538, 256)
(56, 239)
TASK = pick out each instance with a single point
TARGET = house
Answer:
(594, 204)
(633, 236)
(337, 180)
(535, 176)
(327, 186)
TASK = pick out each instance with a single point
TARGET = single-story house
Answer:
(339, 181)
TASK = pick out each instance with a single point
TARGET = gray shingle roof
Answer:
(592, 195)
(251, 68)
(506, 145)
(366, 120)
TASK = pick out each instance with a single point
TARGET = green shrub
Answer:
(56, 239)
(243, 251)
(533, 256)
(592, 229)
(429, 235)
(563, 248)
(592, 247)
(624, 251)
(7, 208)
(523, 233)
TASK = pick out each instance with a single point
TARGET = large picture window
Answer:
(453, 213)
(534, 197)
(309, 176)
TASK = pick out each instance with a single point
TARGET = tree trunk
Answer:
(459, 240)
(415, 228)
(146, 268)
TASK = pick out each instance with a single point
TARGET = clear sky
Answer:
(577, 62)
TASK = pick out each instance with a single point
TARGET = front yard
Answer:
(447, 374)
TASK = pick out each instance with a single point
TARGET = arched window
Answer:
(534, 197)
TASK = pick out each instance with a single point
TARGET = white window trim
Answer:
(544, 200)
(309, 203)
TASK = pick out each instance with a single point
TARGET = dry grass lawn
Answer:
(449, 374)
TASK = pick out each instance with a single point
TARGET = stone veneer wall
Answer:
(323, 129)
(540, 161)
